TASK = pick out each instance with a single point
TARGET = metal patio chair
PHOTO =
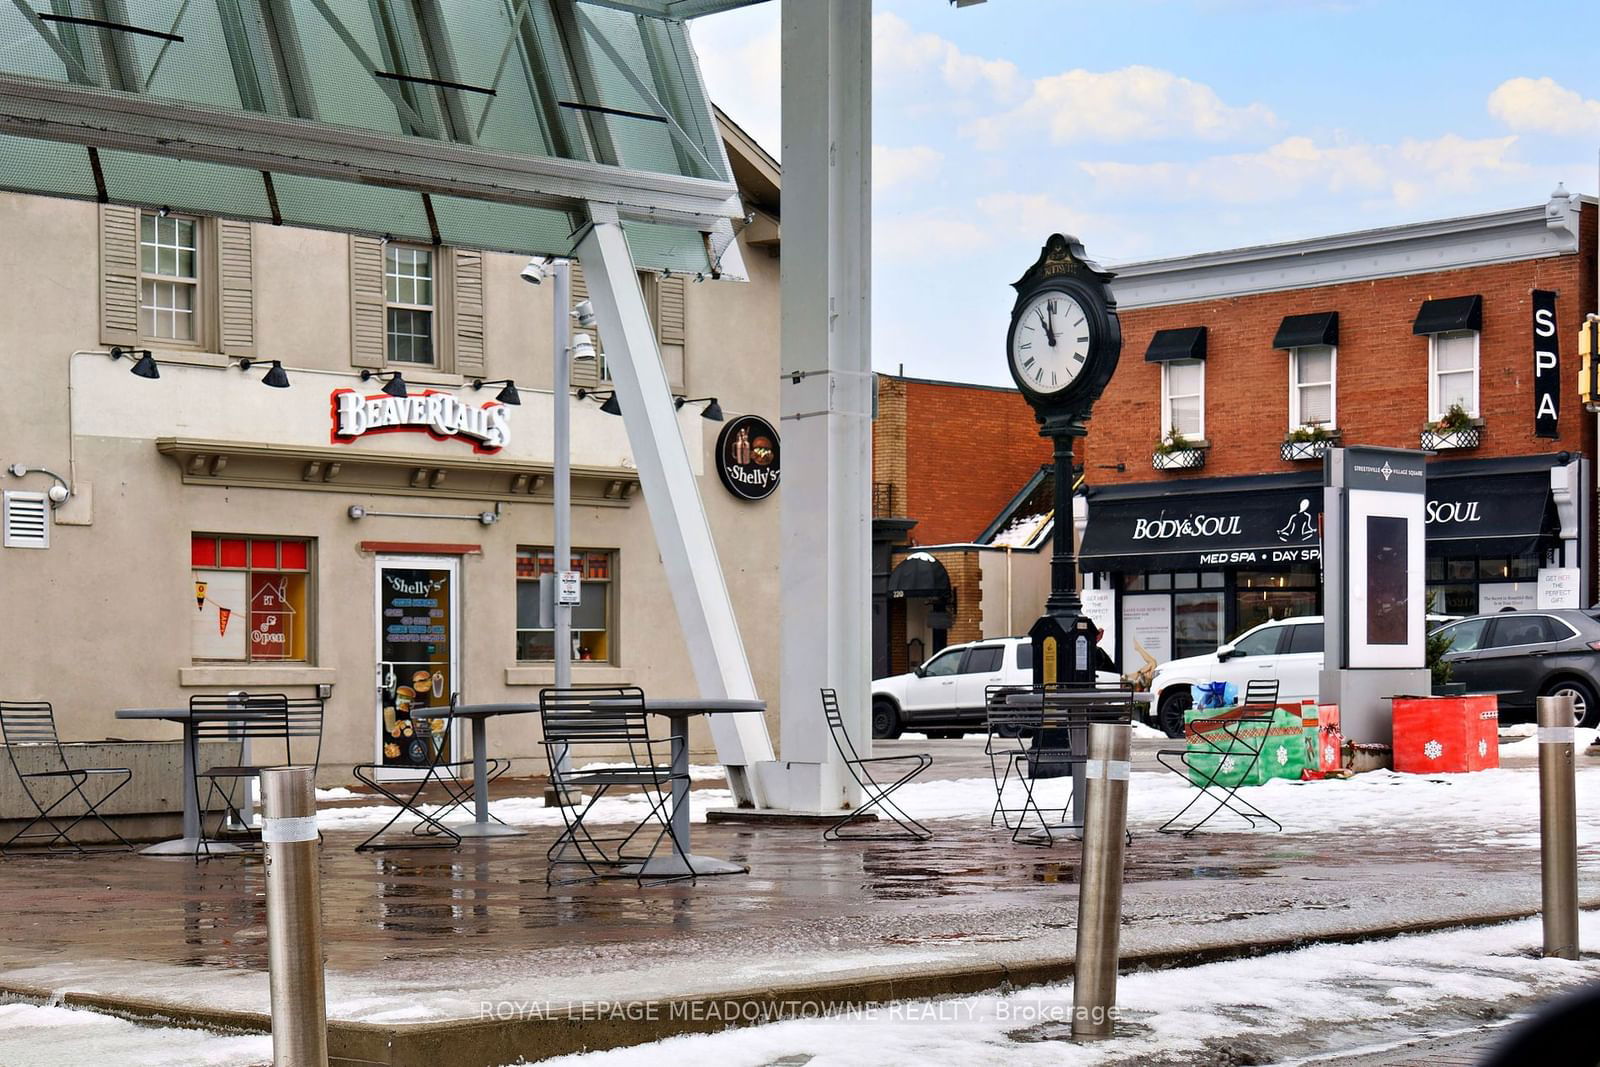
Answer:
(256, 724)
(1259, 691)
(444, 772)
(31, 725)
(876, 793)
(1220, 747)
(607, 719)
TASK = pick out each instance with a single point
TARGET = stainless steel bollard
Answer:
(294, 918)
(1558, 827)
(1094, 985)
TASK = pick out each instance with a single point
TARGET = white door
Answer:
(936, 688)
(418, 605)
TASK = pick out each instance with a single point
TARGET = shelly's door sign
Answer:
(1546, 366)
(747, 457)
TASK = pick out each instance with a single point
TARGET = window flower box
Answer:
(1437, 439)
(1179, 459)
(1296, 449)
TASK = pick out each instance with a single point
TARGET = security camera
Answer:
(584, 313)
(58, 493)
(533, 273)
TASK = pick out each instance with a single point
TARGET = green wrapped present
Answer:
(1225, 749)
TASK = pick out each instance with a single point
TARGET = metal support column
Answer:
(561, 397)
(1558, 827)
(294, 918)
(711, 633)
(1094, 983)
(826, 391)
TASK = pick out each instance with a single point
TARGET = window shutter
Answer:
(27, 520)
(586, 372)
(669, 309)
(119, 275)
(468, 311)
(236, 275)
(368, 338)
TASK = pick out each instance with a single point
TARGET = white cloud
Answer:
(1401, 173)
(894, 166)
(739, 54)
(1132, 104)
(1542, 105)
(901, 54)
(920, 236)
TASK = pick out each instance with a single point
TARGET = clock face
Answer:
(1050, 343)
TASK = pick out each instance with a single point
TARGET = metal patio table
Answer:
(189, 844)
(484, 824)
(680, 712)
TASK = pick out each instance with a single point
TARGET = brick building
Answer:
(947, 459)
(1412, 336)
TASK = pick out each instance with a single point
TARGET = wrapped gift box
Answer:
(1435, 735)
(1330, 741)
(1212, 749)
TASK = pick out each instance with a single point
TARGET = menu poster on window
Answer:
(415, 604)
(1146, 632)
(1100, 605)
(1558, 587)
(217, 625)
(1507, 596)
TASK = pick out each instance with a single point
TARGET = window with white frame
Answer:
(408, 303)
(169, 277)
(1311, 386)
(1183, 398)
(1452, 372)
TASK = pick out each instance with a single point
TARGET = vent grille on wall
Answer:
(27, 518)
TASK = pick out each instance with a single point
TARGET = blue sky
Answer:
(1153, 128)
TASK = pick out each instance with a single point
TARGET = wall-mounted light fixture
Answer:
(275, 375)
(534, 272)
(609, 407)
(583, 314)
(57, 493)
(144, 366)
(508, 395)
(395, 386)
(582, 347)
(713, 409)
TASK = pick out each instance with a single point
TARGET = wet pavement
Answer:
(420, 935)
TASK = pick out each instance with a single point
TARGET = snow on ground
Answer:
(338, 793)
(47, 1036)
(1529, 744)
(1312, 998)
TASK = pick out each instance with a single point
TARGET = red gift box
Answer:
(1330, 740)
(1435, 735)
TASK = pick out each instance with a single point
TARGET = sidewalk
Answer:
(471, 942)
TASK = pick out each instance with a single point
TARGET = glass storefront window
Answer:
(1158, 581)
(252, 599)
(592, 620)
(1187, 580)
(1213, 580)
(1260, 596)
(1133, 583)
(1460, 570)
(1197, 622)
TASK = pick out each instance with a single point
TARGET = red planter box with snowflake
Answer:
(1435, 735)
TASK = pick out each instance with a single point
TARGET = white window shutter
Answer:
(368, 329)
(236, 274)
(27, 520)
(119, 275)
(468, 312)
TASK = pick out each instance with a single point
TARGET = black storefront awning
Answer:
(1242, 527)
(919, 574)
(1454, 313)
(1299, 331)
(1498, 515)
(1187, 343)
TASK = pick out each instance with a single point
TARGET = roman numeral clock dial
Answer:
(1050, 343)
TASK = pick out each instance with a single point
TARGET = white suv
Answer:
(1287, 650)
(945, 697)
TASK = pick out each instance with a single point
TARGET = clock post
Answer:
(1063, 345)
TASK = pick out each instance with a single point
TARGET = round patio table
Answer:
(189, 844)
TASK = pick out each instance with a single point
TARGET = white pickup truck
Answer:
(945, 696)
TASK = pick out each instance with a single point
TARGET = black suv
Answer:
(1527, 654)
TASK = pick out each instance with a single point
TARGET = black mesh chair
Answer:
(611, 723)
(448, 775)
(876, 793)
(31, 725)
(1219, 756)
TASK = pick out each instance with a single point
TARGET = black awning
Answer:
(1490, 515)
(1298, 331)
(1187, 343)
(1453, 313)
(919, 574)
(1244, 527)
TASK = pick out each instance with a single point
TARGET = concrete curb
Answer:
(511, 1031)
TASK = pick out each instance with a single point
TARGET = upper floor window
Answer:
(1452, 373)
(169, 277)
(1311, 386)
(408, 303)
(1183, 397)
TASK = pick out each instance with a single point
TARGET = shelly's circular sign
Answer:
(747, 457)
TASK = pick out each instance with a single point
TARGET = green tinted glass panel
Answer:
(331, 205)
(45, 167)
(673, 247)
(204, 188)
(502, 227)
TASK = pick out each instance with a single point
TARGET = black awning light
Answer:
(1302, 331)
(1186, 343)
(1448, 315)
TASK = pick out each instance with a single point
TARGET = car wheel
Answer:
(1586, 709)
(886, 724)
(1169, 714)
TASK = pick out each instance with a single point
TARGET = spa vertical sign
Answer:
(1546, 366)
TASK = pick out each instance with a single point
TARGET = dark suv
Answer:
(1527, 654)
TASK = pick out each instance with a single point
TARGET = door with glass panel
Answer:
(418, 603)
